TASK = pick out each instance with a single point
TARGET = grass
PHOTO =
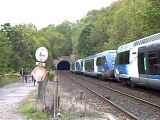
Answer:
(80, 114)
(51, 75)
(75, 112)
(28, 108)
(6, 79)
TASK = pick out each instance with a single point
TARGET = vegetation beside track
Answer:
(29, 110)
(7, 79)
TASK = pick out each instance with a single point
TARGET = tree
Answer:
(85, 46)
(6, 52)
(99, 33)
(65, 29)
(23, 38)
(151, 17)
(58, 43)
(127, 23)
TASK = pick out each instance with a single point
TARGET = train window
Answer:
(101, 61)
(82, 64)
(126, 57)
(117, 59)
(141, 63)
(98, 62)
(154, 62)
(89, 65)
(77, 65)
(72, 66)
(123, 57)
(104, 60)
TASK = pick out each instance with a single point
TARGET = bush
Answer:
(6, 79)
(28, 108)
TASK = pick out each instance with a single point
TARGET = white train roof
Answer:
(100, 54)
(141, 42)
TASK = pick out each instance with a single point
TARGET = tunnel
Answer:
(63, 65)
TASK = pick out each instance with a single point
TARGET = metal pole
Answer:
(54, 113)
(56, 97)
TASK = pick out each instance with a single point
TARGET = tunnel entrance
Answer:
(63, 65)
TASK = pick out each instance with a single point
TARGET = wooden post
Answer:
(41, 95)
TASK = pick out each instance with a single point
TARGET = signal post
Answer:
(39, 74)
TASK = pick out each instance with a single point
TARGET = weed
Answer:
(28, 108)
(8, 79)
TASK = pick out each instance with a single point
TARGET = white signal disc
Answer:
(41, 54)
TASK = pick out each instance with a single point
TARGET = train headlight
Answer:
(117, 72)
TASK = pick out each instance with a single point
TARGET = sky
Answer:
(45, 12)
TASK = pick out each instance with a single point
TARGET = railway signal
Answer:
(39, 73)
(41, 54)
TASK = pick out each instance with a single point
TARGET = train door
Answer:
(154, 66)
(102, 64)
(82, 66)
(142, 66)
(149, 65)
(77, 66)
(89, 65)
(133, 67)
(98, 64)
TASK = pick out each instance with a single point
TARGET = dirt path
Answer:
(10, 97)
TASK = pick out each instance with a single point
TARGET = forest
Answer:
(122, 22)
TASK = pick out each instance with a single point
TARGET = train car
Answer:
(138, 62)
(100, 65)
(79, 66)
(73, 67)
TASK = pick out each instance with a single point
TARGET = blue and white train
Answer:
(98, 65)
(72, 67)
(76, 67)
(138, 62)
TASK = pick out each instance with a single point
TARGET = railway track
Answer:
(105, 100)
(148, 100)
(132, 106)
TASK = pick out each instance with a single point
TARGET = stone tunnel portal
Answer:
(63, 65)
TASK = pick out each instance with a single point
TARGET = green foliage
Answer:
(65, 29)
(6, 79)
(85, 45)
(32, 112)
(51, 75)
(75, 37)
(6, 52)
(108, 28)
(26, 44)
(122, 22)
(22, 45)
(151, 17)
(28, 108)
(57, 39)
(99, 34)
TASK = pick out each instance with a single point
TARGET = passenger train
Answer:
(98, 65)
(76, 67)
(135, 63)
(138, 62)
